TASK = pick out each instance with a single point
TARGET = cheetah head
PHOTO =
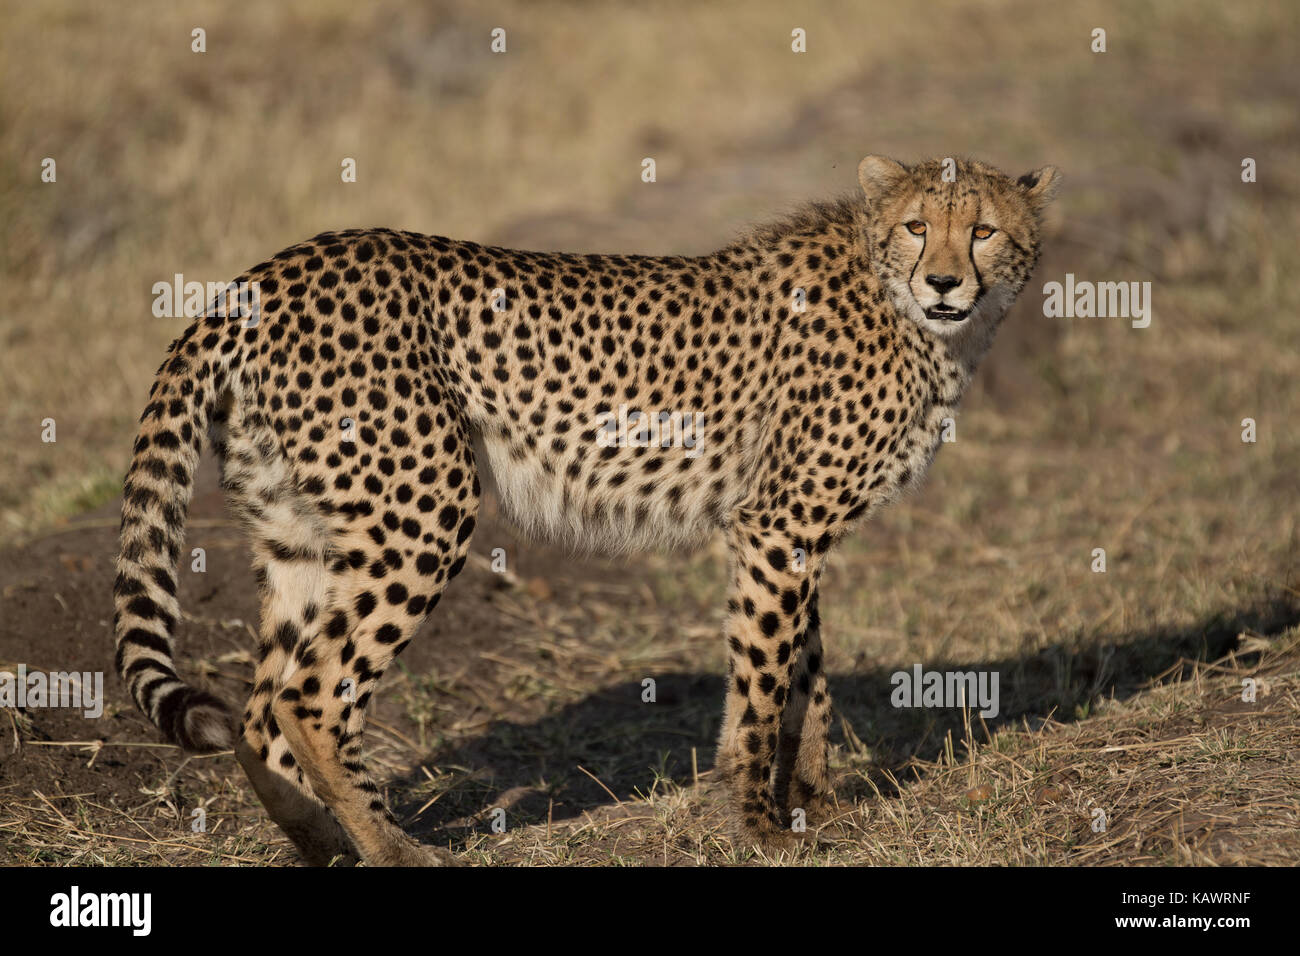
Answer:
(953, 240)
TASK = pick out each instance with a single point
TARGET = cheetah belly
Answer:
(547, 506)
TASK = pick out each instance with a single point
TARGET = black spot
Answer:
(365, 604)
(338, 625)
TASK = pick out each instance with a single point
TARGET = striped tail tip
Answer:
(196, 720)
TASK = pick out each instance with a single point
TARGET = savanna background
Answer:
(1121, 691)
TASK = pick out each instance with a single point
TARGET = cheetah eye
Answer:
(983, 232)
(915, 227)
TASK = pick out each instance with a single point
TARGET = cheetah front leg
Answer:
(802, 780)
(773, 582)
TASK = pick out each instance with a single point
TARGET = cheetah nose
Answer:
(942, 284)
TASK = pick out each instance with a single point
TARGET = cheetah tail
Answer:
(155, 499)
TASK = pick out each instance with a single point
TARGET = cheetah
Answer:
(821, 356)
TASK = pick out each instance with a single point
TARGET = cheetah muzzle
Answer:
(816, 358)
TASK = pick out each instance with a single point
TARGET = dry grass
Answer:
(1081, 434)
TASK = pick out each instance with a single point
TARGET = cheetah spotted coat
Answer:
(821, 357)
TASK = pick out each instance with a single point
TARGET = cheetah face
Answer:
(954, 241)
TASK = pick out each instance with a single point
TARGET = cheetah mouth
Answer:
(946, 313)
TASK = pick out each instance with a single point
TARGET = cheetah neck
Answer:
(958, 353)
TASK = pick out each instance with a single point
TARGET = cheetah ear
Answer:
(877, 174)
(1040, 186)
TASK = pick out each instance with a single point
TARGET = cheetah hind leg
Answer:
(304, 819)
(321, 708)
(291, 593)
(292, 587)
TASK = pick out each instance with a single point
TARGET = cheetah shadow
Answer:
(626, 744)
